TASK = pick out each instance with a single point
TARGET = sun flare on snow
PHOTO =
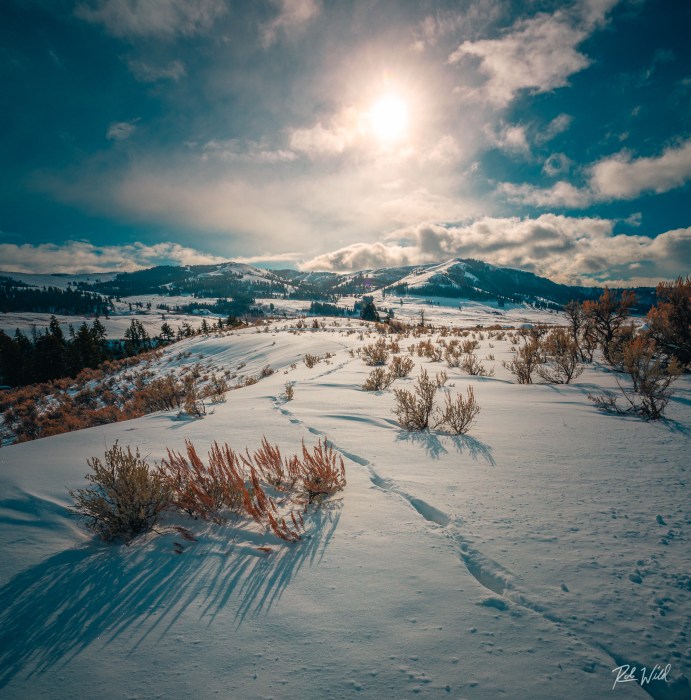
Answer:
(389, 118)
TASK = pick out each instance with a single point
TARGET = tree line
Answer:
(52, 354)
(17, 296)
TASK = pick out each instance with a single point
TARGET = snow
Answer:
(525, 560)
(60, 281)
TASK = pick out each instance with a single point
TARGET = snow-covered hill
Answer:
(527, 559)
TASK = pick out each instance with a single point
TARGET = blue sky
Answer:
(550, 136)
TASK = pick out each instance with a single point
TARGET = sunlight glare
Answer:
(389, 118)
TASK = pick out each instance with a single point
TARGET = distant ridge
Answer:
(461, 278)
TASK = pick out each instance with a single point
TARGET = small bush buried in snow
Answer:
(216, 389)
(440, 379)
(458, 414)
(289, 391)
(414, 409)
(280, 473)
(311, 360)
(378, 380)
(322, 472)
(127, 498)
(401, 367)
(207, 491)
(376, 354)
(650, 378)
(204, 491)
(562, 357)
(527, 359)
(473, 366)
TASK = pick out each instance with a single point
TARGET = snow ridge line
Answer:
(488, 573)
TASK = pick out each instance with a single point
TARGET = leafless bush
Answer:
(458, 414)
(440, 378)
(289, 391)
(468, 346)
(194, 407)
(607, 316)
(204, 491)
(453, 356)
(375, 354)
(280, 473)
(216, 389)
(436, 353)
(401, 366)
(265, 372)
(526, 360)
(607, 401)
(414, 409)
(322, 472)
(161, 394)
(473, 366)
(208, 491)
(127, 497)
(651, 378)
(378, 380)
(311, 360)
(561, 357)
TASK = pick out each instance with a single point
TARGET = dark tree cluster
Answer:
(53, 355)
(17, 296)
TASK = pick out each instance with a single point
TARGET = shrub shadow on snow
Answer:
(54, 610)
(434, 447)
(475, 448)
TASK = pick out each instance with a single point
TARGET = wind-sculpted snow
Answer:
(527, 559)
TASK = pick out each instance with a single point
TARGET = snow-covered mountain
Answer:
(456, 278)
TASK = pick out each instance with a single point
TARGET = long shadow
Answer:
(50, 612)
(435, 448)
(474, 447)
(432, 444)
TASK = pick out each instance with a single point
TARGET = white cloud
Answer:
(624, 177)
(147, 73)
(292, 16)
(234, 151)
(143, 18)
(121, 131)
(76, 257)
(339, 134)
(475, 16)
(613, 178)
(537, 54)
(561, 194)
(565, 249)
(556, 164)
(557, 126)
(511, 138)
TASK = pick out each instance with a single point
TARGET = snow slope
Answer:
(525, 560)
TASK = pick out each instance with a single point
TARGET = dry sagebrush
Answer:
(458, 414)
(127, 496)
(375, 354)
(378, 380)
(414, 408)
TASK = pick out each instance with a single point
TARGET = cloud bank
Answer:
(81, 257)
(565, 249)
(616, 177)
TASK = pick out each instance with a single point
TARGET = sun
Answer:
(388, 118)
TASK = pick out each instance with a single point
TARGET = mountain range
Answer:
(456, 278)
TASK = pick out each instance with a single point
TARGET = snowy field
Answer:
(527, 559)
(440, 310)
